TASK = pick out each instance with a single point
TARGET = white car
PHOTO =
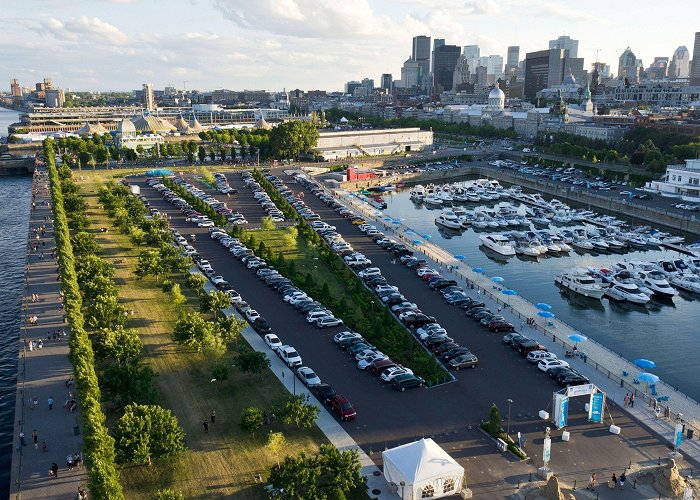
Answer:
(339, 337)
(288, 298)
(386, 288)
(308, 377)
(251, 315)
(289, 355)
(429, 328)
(365, 363)
(391, 373)
(537, 356)
(217, 280)
(436, 332)
(371, 271)
(328, 321)
(547, 364)
(403, 305)
(367, 353)
(298, 298)
(206, 223)
(273, 341)
(234, 296)
(425, 270)
(313, 316)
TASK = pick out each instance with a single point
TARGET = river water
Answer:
(665, 332)
(7, 117)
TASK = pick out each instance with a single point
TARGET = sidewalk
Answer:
(42, 374)
(603, 367)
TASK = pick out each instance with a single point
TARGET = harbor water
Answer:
(7, 118)
(663, 331)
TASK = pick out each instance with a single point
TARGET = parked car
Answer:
(537, 356)
(324, 392)
(407, 381)
(501, 326)
(308, 376)
(273, 341)
(341, 406)
(339, 337)
(328, 321)
(464, 361)
(289, 355)
(261, 325)
(391, 373)
(547, 364)
(572, 378)
(251, 315)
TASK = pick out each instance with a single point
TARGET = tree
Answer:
(196, 282)
(105, 312)
(201, 153)
(194, 331)
(341, 472)
(298, 411)
(276, 443)
(120, 344)
(88, 266)
(150, 263)
(130, 382)
(267, 223)
(298, 477)
(290, 139)
(494, 423)
(84, 243)
(249, 361)
(251, 420)
(220, 372)
(177, 296)
(214, 302)
(231, 328)
(145, 432)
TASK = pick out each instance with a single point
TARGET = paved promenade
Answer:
(609, 371)
(43, 372)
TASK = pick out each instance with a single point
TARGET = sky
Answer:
(307, 44)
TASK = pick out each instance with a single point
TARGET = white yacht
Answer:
(656, 282)
(623, 288)
(581, 283)
(686, 282)
(433, 200)
(417, 193)
(498, 243)
(524, 248)
(450, 221)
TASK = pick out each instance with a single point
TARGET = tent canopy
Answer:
(422, 465)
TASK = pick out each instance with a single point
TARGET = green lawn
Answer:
(224, 461)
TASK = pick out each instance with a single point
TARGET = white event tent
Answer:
(426, 470)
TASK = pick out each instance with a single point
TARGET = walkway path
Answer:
(603, 367)
(43, 372)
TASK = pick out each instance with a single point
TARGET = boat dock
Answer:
(678, 248)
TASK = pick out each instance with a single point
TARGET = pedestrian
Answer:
(206, 426)
(591, 483)
(22, 441)
(613, 482)
(657, 411)
(69, 461)
(54, 470)
(627, 399)
(623, 477)
(35, 438)
(82, 494)
(632, 401)
(43, 447)
(212, 416)
(50, 403)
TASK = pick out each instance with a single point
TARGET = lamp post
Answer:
(372, 302)
(510, 402)
(402, 483)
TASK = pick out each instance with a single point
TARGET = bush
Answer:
(220, 372)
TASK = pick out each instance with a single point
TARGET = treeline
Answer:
(98, 445)
(334, 115)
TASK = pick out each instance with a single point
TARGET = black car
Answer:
(572, 378)
(262, 326)
(473, 304)
(513, 337)
(453, 353)
(345, 344)
(473, 312)
(440, 284)
(436, 340)
(325, 393)
(482, 314)
(403, 382)
(444, 347)
(560, 371)
(419, 320)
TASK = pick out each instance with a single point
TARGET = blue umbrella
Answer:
(417, 242)
(478, 270)
(545, 314)
(388, 218)
(577, 337)
(508, 291)
(395, 222)
(644, 363)
(426, 236)
(542, 306)
(649, 378)
(459, 257)
(497, 279)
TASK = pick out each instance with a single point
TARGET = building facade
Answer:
(353, 143)
(536, 72)
(681, 181)
(565, 43)
(446, 57)
(695, 66)
(627, 66)
(421, 54)
(680, 63)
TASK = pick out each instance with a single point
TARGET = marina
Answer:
(648, 325)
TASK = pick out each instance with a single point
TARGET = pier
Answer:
(44, 373)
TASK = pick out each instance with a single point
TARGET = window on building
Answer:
(427, 491)
(449, 485)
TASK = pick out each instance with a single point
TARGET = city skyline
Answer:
(209, 44)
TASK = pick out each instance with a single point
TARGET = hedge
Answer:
(98, 445)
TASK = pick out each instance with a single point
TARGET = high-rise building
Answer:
(410, 74)
(421, 54)
(695, 65)
(47, 84)
(15, 88)
(680, 63)
(445, 59)
(536, 72)
(494, 66)
(628, 66)
(565, 43)
(513, 58)
(386, 81)
(462, 74)
(149, 100)
(55, 98)
(658, 69)
(351, 86)
(602, 69)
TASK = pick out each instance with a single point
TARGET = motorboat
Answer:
(614, 244)
(599, 245)
(686, 282)
(418, 193)
(561, 218)
(524, 248)
(557, 240)
(433, 200)
(581, 283)
(480, 223)
(472, 196)
(582, 244)
(667, 267)
(623, 288)
(448, 221)
(445, 196)
(498, 243)
(656, 282)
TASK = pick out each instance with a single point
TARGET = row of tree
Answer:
(98, 445)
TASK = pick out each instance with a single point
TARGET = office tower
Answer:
(462, 74)
(409, 74)
(386, 81)
(471, 52)
(658, 69)
(445, 61)
(421, 54)
(351, 86)
(47, 84)
(680, 63)
(565, 43)
(602, 69)
(15, 88)
(494, 66)
(149, 101)
(628, 66)
(513, 58)
(695, 65)
(536, 72)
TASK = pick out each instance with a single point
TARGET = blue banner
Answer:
(596, 414)
(678, 438)
(563, 412)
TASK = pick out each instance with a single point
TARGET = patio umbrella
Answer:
(395, 222)
(388, 218)
(508, 291)
(478, 270)
(459, 257)
(543, 306)
(426, 236)
(417, 242)
(497, 279)
(644, 363)
(649, 378)
(545, 314)
(577, 337)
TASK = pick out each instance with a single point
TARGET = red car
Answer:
(501, 326)
(342, 407)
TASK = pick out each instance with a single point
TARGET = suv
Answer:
(289, 355)
(406, 381)
(341, 406)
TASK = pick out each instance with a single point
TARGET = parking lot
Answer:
(448, 412)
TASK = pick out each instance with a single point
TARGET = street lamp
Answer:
(372, 302)
(510, 402)
(402, 483)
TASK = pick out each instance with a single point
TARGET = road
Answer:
(449, 413)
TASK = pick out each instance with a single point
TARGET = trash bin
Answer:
(690, 433)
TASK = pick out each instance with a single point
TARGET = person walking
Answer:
(623, 477)
(212, 417)
(632, 401)
(627, 399)
(613, 482)
(206, 426)
(54, 470)
(50, 403)
(35, 438)
(591, 483)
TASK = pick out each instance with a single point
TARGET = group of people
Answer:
(612, 484)
(530, 321)
(33, 320)
(629, 400)
(35, 344)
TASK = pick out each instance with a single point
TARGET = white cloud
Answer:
(479, 7)
(85, 29)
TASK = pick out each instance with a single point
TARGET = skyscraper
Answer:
(445, 59)
(421, 54)
(386, 81)
(628, 66)
(695, 66)
(513, 58)
(680, 63)
(536, 72)
(494, 66)
(565, 43)
(149, 101)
